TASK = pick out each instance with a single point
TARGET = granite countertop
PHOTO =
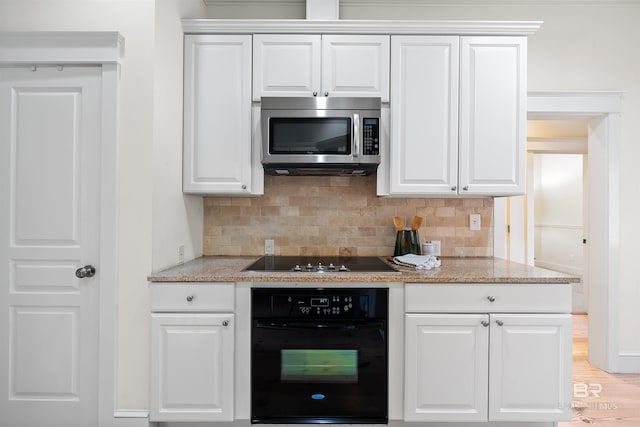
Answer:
(452, 270)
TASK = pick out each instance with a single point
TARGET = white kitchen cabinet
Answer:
(530, 367)
(483, 365)
(192, 352)
(217, 156)
(458, 115)
(424, 115)
(447, 367)
(493, 120)
(320, 65)
(286, 65)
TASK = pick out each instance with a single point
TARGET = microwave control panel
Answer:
(371, 137)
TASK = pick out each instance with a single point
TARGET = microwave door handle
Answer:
(356, 135)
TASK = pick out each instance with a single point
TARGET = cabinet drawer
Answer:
(185, 297)
(488, 298)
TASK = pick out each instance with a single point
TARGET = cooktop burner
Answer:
(321, 264)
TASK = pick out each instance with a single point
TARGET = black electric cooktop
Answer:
(321, 264)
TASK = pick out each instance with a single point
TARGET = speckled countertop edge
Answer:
(453, 270)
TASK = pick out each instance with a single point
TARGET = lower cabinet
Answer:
(192, 367)
(487, 366)
(192, 353)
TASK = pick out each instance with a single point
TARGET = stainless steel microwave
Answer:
(320, 135)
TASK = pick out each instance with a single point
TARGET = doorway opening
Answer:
(601, 113)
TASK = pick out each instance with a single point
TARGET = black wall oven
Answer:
(319, 356)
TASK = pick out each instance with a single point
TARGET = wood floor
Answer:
(600, 399)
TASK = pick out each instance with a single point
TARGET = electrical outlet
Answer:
(180, 254)
(474, 222)
(269, 247)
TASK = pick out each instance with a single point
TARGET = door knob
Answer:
(86, 271)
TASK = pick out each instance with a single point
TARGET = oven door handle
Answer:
(319, 325)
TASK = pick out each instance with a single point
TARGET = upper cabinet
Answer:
(493, 115)
(315, 65)
(424, 114)
(453, 93)
(286, 65)
(217, 154)
(445, 142)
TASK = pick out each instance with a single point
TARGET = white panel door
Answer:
(493, 96)
(446, 367)
(530, 368)
(192, 373)
(355, 65)
(424, 115)
(286, 65)
(49, 223)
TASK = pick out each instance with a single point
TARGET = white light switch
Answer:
(474, 222)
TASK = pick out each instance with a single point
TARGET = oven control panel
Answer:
(325, 303)
(319, 305)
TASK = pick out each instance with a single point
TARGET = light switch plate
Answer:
(474, 222)
(269, 247)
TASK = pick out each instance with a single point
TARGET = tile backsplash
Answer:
(339, 216)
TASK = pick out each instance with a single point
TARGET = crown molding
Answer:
(303, 26)
(52, 47)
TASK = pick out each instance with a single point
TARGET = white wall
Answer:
(558, 195)
(177, 218)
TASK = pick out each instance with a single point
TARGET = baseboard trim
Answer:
(131, 413)
(130, 418)
(628, 363)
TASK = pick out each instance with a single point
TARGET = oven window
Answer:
(319, 366)
(321, 135)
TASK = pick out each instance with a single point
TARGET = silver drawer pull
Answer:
(491, 298)
(499, 322)
(190, 298)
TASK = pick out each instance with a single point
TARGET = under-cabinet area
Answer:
(459, 350)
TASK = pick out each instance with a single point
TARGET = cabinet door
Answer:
(424, 115)
(530, 367)
(493, 87)
(446, 367)
(217, 114)
(192, 367)
(355, 65)
(286, 65)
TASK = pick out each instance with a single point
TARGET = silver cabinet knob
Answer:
(225, 323)
(499, 322)
(326, 94)
(244, 187)
(315, 93)
(190, 298)
(485, 323)
(465, 188)
(86, 271)
(454, 188)
(491, 298)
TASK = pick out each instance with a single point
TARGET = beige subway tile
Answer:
(241, 201)
(473, 203)
(448, 211)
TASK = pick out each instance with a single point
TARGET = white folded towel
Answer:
(420, 262)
